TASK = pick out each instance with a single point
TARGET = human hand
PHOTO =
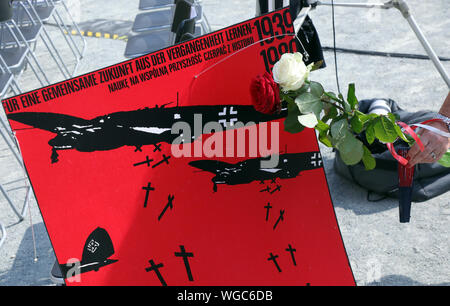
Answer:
(435, 146)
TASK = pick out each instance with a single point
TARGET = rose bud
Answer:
(265, 94)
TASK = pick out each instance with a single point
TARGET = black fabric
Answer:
(264, 6)
(430, 180)
(186, 26)
(278, 4)
(310, 41)
(5, 10)
(182, 12)
(308, 35)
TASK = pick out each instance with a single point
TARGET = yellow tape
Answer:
(98, 35)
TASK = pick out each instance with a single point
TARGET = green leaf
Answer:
(370, 133)
(316, 89)
(291, 123)
(339, 129)
(400, 133)
(368, 160)
(445, 160)
(358, 121)
(308, 120)
(323, 129)
(357, 124)
(332, 94)
(309, 103)
(301, 90)
(398, 130)
(325, 139)
(322, 126)
(385, 130)
(350, 149)
(351, 97)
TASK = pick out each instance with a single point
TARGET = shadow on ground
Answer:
(400, 280)
(26, 272)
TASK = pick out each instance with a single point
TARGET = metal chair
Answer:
(75, 28)
(186, 27)
(162, 19)
(32, 28)
(69, 29)
(266, 6)
(186, 37)
(43, 11)
(3, 231)
(17, 51)
(147, 5)
(145, 43)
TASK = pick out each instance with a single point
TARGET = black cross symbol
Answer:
(268, 207)
(138, 148)
(278, 188)
(292, 251)
(274, 180)
(169, 204)
(316, 160)
(281, 218)
(147, 161)
(157, 147)
(267, 189)
(186, 261)
(274, 259)
(148, 188)
(156, 268)
(224, 114)
(261, 182)
(165, 160)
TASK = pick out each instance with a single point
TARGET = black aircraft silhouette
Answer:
(244, 172)
(97, 249)
(149, 126)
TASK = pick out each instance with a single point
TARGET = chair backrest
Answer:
(186, 37)
(186, 26)
(5, 10)
(266, 6)
(182, 12)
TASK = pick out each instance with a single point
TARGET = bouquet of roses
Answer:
(337, 119)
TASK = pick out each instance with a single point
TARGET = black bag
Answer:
(430, 180)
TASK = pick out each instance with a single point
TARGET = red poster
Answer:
(123, 208)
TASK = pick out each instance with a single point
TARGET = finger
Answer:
(422, 157)
(430, 155)
(415, 153)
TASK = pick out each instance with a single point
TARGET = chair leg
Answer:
(3, 231)
(11, 148)
(20, 215)
(29, 50)
(8, 199)
(68, 38)
(63, 67)
(83, 39)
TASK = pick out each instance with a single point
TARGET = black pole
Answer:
(5, 10)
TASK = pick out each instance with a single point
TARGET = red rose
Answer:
(265, 94)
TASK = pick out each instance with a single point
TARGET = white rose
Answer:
(290, 72)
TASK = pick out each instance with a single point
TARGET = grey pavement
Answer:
(381, 250)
